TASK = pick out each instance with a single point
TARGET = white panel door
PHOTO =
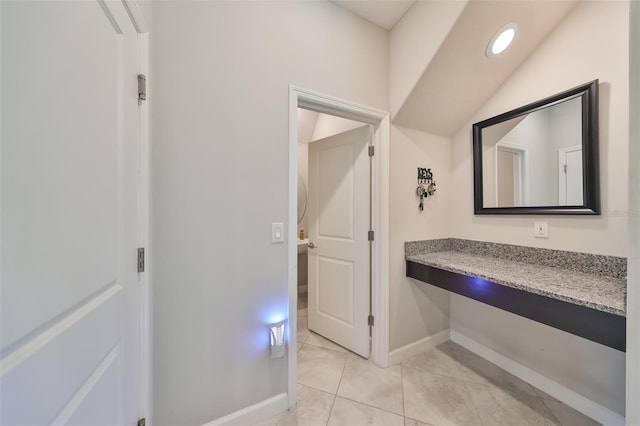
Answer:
(570, 172)
(339, 182)
(70, 327)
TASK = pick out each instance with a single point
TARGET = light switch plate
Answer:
(541, 229)
(277, 232)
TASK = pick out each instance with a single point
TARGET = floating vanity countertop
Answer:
(580, 293)
(598, 292)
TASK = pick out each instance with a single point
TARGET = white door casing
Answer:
(70, 192)
(380, 121)
(339, 221)
(518, 176)
(570, 186)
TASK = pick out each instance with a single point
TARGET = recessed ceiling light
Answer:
(501, 40)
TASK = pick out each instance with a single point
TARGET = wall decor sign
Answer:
(426, 185)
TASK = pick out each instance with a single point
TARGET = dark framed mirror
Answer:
(541, 158)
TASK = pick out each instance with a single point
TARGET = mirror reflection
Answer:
(541, 158)
(302, 199)
(535, 159)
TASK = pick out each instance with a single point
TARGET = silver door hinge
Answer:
(370, 321)
(141, 259)
(142, 87)
(370, 235)
(142, 421)
(371, 150)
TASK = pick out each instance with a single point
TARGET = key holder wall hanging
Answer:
(426, 185)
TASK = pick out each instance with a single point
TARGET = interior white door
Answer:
(339, 220)
(570, 172)
(70, 326)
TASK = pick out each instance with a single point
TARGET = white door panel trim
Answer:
(86, 388)
(110, 16)
(135, 15)
(26, 350)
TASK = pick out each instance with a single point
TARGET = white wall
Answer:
(591, 43)
(416, 310)
(330, 125)
(221, 72)
(414, 41)
(590, 369)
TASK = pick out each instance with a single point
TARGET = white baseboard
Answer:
(572, 399)
(406, 351)
(255, 413)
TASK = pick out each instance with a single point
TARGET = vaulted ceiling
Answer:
(459, 77)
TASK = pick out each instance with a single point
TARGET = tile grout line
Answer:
(372, 406)
(333, 402)
(335, 396)
(473, 404)
(404, 411)
(367, 404)
(475, 382)
(550, 410)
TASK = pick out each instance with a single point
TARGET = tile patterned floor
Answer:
(447, 385)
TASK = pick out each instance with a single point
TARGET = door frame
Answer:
(521, 172)
(562, 174)
(307, 99)
(145, 397)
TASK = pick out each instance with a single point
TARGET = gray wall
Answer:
(220, 74)
(416, 311)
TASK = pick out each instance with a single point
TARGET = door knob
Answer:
(311, 245)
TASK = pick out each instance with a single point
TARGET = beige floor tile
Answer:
(413, 422)
(318, 340)
(302, 320)
(443, 386)
(497, 406)
(351, 413)
(437, 399)
(434, 361)
(303, 329)
(567, 415)
(312, 409)
(303, 335)
(478, 370)
(320, 368)
(365, 382)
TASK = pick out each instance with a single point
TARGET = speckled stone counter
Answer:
(608, 266)
(568, 281)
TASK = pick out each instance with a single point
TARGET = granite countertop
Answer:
(602, 292)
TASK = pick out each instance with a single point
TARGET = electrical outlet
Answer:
(541, 229)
